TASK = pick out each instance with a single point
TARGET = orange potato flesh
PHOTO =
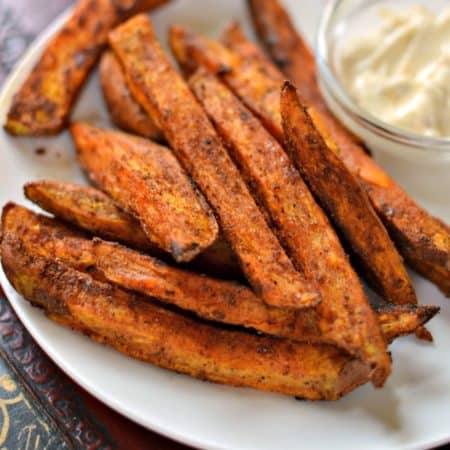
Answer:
(47, 236)
(164, 95)
(423, 240)
(43, 103)
(299, 223)
(146, 180)
(125, 112)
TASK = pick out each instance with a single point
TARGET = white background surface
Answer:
(412, 411)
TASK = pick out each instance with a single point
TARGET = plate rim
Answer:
(14, 298)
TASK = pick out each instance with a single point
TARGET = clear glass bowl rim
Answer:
(364, 119)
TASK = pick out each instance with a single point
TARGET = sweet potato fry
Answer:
(345, 201)
(208, 298)
(139, 328)
(93, 211)
(146, 180)
(227, 302)
(89, 209)
(422, 240)
(125, 112)
(164, 95)
(47, 237)
(44, 102)
(299, 223)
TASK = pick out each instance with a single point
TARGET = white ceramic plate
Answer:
(412, 411)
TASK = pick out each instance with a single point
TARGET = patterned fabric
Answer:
(38, 404)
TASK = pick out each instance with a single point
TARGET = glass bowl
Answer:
(420, 164)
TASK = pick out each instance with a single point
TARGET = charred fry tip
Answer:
(427, 311)
(289, 89)
(424, 334)
(290, 92)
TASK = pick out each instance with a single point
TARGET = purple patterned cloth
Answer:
(20, 22)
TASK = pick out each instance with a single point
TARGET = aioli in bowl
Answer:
(420, 163)
(400, 71)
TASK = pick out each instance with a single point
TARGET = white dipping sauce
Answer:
(400, 72)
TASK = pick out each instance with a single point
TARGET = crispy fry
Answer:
(276, 31)
(209, 298)
(89, 209)
(299, 223)
(93, 211)
(164, 95)
(345, 201)
(422, 240)
(227, 302)
(47, 237)
(146, 180)
(43, 103)
(125, 112)
(139, 328)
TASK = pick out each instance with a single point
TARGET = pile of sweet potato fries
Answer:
(224, 237)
